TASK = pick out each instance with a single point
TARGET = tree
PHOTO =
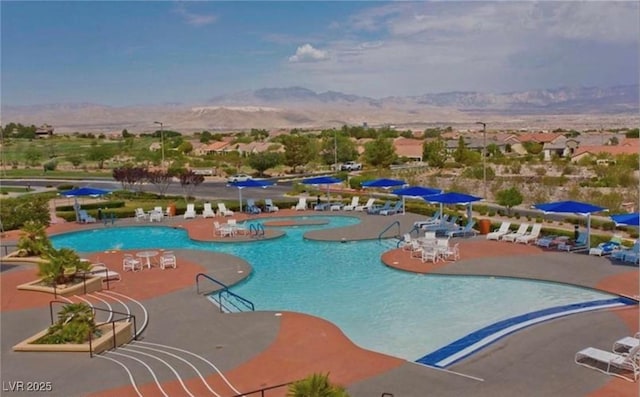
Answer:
(33, 239)
(32, 155)
(76, 324)
(74, 159)
(299, 150)
(316, 385)
(263, 161)
(189, 180)
(16, 212)
(434, 153)
(129, 176)
(380, 152)
(205, 137)
(160, 179)
(61, 266)
(126, 134)
(346, 148)
(509, 198)
(99, 154)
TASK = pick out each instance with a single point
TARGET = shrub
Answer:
(33, 240)
(76, 323)
(316, 385)
(15, 212)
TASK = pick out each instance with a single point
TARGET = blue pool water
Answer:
(393, 312)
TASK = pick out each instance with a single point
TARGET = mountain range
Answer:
(303, 108)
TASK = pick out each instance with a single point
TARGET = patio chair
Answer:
(302, 204)
(222, 230)
(84, 217)
(168, 260)
(366, 206)
(269, 206)
(499, 232)
(624, 345)
(522, 229)
(579, 245)
(607, 247)
(131, 263)
(465, 231)
(392, 211)
(435, 219)
(452, 253)
(623, 251)
(355, 200)
(237, 228)
(190, 213)
(140, 214)
(322, 207)
(252, 208)
(375, 210)
(531, 236)
(622, 366)
(223, 211)
(208, 212)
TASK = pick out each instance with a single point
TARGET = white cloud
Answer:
(194, 19)
(307, 53)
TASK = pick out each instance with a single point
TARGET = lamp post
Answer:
(335, 151)
(161, 140)
(484, 158)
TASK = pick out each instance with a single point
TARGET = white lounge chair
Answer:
(208, 212)
(626, 344)
(190, 213)
(269, 206)
(531, 236)
(223, 211)
(501, 231)
(355, 200)
(367, 206)
(522, 230)
(101, 270)
(302, 204)
(623, 366)
(140, 214)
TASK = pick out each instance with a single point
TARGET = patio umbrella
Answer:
(626, 219)
(453, 198)
(572, 207)
(249, 183)
(416, 192)
(83, 192)
(384, 183)
(322, 180)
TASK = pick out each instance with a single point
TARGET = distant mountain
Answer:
(303, 108)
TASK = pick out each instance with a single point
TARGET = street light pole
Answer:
(161, 140)
(484, 158)
(335, 151)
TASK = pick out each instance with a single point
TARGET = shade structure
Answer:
(248, 184)
(632, 219)
(322, 180)
(572, 207)
(384, 183)
(83, 192)
(453, 198)
(415, 191)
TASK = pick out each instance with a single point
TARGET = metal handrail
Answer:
(258, 228)
(261, 391)
(225, 290)
(389, 227)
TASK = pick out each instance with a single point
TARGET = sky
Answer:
(122, 53)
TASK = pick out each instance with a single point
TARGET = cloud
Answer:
(307, 53)
(194, 19)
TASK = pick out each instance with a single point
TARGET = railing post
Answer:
(135, 328)
(90, 345)
(113, 330)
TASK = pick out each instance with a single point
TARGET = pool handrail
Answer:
(258, 228)
(225, 289)
(389, 227)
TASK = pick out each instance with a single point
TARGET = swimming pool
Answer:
(382, 309)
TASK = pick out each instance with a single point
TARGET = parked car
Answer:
(351, 166)
(238, 178)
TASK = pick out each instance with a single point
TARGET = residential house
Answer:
(213, 147)
(552, 143)
(627, 146)
(155, 146)
(410, 148)
(44, 129)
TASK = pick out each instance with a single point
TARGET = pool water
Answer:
(382, 309)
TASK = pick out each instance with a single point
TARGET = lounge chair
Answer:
(394, 210)
(375, 210)
(366, 206)
(208, 212)
(322, 207)
(140, 214)
(501, 231)
(623, 252)
(190, 213)
(607, 247)
(355, 200)
(623, 366)
(531, 236)
(624, 345)
(465, 231)
(84, 217)
(579, 245)
(168, 260)
(101, 270)
(302, 204)
(223, 211)
(252, 208)
(435, 219)
(269, 206)
(522, 230)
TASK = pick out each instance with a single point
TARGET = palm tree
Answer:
(316, 385)
(61, 266)
(33, 240)
(76, 322)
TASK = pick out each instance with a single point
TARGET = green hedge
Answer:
(93, 206)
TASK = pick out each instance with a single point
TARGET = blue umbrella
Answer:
(249, 183)
(627, 219)
(415, 191)
(453, 198)
(322, 180)
(572, 207)
(384, 183)
(83, 192)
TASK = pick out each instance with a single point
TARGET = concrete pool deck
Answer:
(260, 349)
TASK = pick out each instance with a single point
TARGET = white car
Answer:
(238, 178)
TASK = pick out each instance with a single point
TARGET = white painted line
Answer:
(106, 303)
(119, 301)
(144, 310)
(448, 371)
(133, 382)
(165, 363)
(155, 378)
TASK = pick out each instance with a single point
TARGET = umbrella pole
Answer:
(588, 231)
(240, 198)
(403, 205)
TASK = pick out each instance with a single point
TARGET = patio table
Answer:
(147, 255)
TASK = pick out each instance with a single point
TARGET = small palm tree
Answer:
(316, 385)
(76, 322)
(33, 240)
(61, 266)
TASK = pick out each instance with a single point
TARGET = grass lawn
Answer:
(39, 173)
(13, 189)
